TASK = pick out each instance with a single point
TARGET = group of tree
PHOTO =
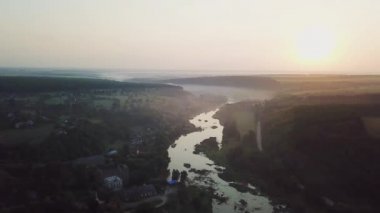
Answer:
(179, 176)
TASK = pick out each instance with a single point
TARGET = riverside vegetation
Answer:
(46, 122)
(320, 152)
(320, 138)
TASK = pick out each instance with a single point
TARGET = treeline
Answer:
(47, 84)
(230, 81)
(324, 152)
(317, 157)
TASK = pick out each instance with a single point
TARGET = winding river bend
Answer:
(182, 153)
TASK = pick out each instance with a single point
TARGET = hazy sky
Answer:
(272, 35)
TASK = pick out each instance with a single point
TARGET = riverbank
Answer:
(299, 164)
(204, 172)
(45, 125)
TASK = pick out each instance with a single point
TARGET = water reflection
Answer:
(182, 153)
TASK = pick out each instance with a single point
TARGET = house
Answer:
(136, 145)
(136, 135)
(25, 124)
(137, 140)
(113, 183)
(60, 131)
(114, 177)
(111, 152)
(137, 193)
(29, 123)
(44, 118)
(18, 125)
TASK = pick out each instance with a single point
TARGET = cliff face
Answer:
(316, 156)
(328, 150)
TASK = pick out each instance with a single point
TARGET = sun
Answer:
(315, 44)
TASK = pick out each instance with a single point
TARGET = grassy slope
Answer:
(320, 145)
(328, 84)
(327, 149)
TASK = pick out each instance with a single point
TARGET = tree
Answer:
(175, 175)
(183, 176)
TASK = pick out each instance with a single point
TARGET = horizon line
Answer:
(210, 71)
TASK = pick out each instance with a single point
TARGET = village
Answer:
(113, 187)
(93, 149)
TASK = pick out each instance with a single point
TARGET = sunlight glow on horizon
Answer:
(316, 45)
(199, 35)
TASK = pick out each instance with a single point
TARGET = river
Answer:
(182, 152)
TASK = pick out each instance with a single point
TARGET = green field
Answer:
(328, 84)
(33, 135)
(103, 103)
(54, 101)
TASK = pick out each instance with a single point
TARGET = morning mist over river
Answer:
(204, 172)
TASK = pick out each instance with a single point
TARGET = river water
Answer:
(182, 152)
